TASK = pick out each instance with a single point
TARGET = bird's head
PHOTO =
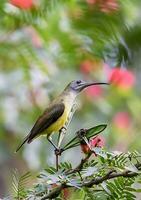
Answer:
(79, 85)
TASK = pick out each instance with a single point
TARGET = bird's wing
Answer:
(50, 116)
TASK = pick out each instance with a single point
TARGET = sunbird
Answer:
(57, 113)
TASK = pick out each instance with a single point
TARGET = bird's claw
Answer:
(58, 151)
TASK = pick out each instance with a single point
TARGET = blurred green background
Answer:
(45, 44)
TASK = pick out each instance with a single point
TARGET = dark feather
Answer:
(50, 116)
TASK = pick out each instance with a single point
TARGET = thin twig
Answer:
(57, 161)
(80, 166)
(57, 154)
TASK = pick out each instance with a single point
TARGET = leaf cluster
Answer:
(112, 176)
(109, 175)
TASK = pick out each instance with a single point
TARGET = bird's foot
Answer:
(58, 151)
(63, 129)
(82, 136)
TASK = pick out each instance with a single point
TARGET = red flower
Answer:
(91, 1)
(36, 40)
(94, 91)
(122, 78)
(109, 6)
(122, 120)
(23, 4)
(105, 5)
(66, 193)
(86, 66)
(94, 142)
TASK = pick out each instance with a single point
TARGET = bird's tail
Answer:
(25, 140)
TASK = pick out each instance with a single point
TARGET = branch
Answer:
(110, 175)
(80, 166)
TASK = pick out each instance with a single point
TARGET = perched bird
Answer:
(56, 114)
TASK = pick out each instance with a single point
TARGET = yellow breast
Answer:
(68, 100)
(56, 126)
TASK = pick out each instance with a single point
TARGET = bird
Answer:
(56, 114)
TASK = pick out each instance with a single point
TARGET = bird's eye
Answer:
(78, 82)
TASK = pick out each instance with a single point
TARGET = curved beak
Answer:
(85, 85)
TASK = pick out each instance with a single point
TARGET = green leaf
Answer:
(89, 171)
(95, 130)
(132, 168)
(51, 170)
(75, 183)
(18, 184)
(89, 133)
(65, 165)
(119, 160)
(121, 188)
(99, 152)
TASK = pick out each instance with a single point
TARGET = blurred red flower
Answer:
(105, 5)
(122, 120)
(109, 6)
(94, 91)
(98, 141)
(91, 1)
(35, 38)
(23, 4)
(86, 66)
(122, 78)
(66, 193)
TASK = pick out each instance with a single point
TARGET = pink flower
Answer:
(122, 78)
(94, 142)
(97, 142)
(23, 4)
(94, 91)
(122, 120)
